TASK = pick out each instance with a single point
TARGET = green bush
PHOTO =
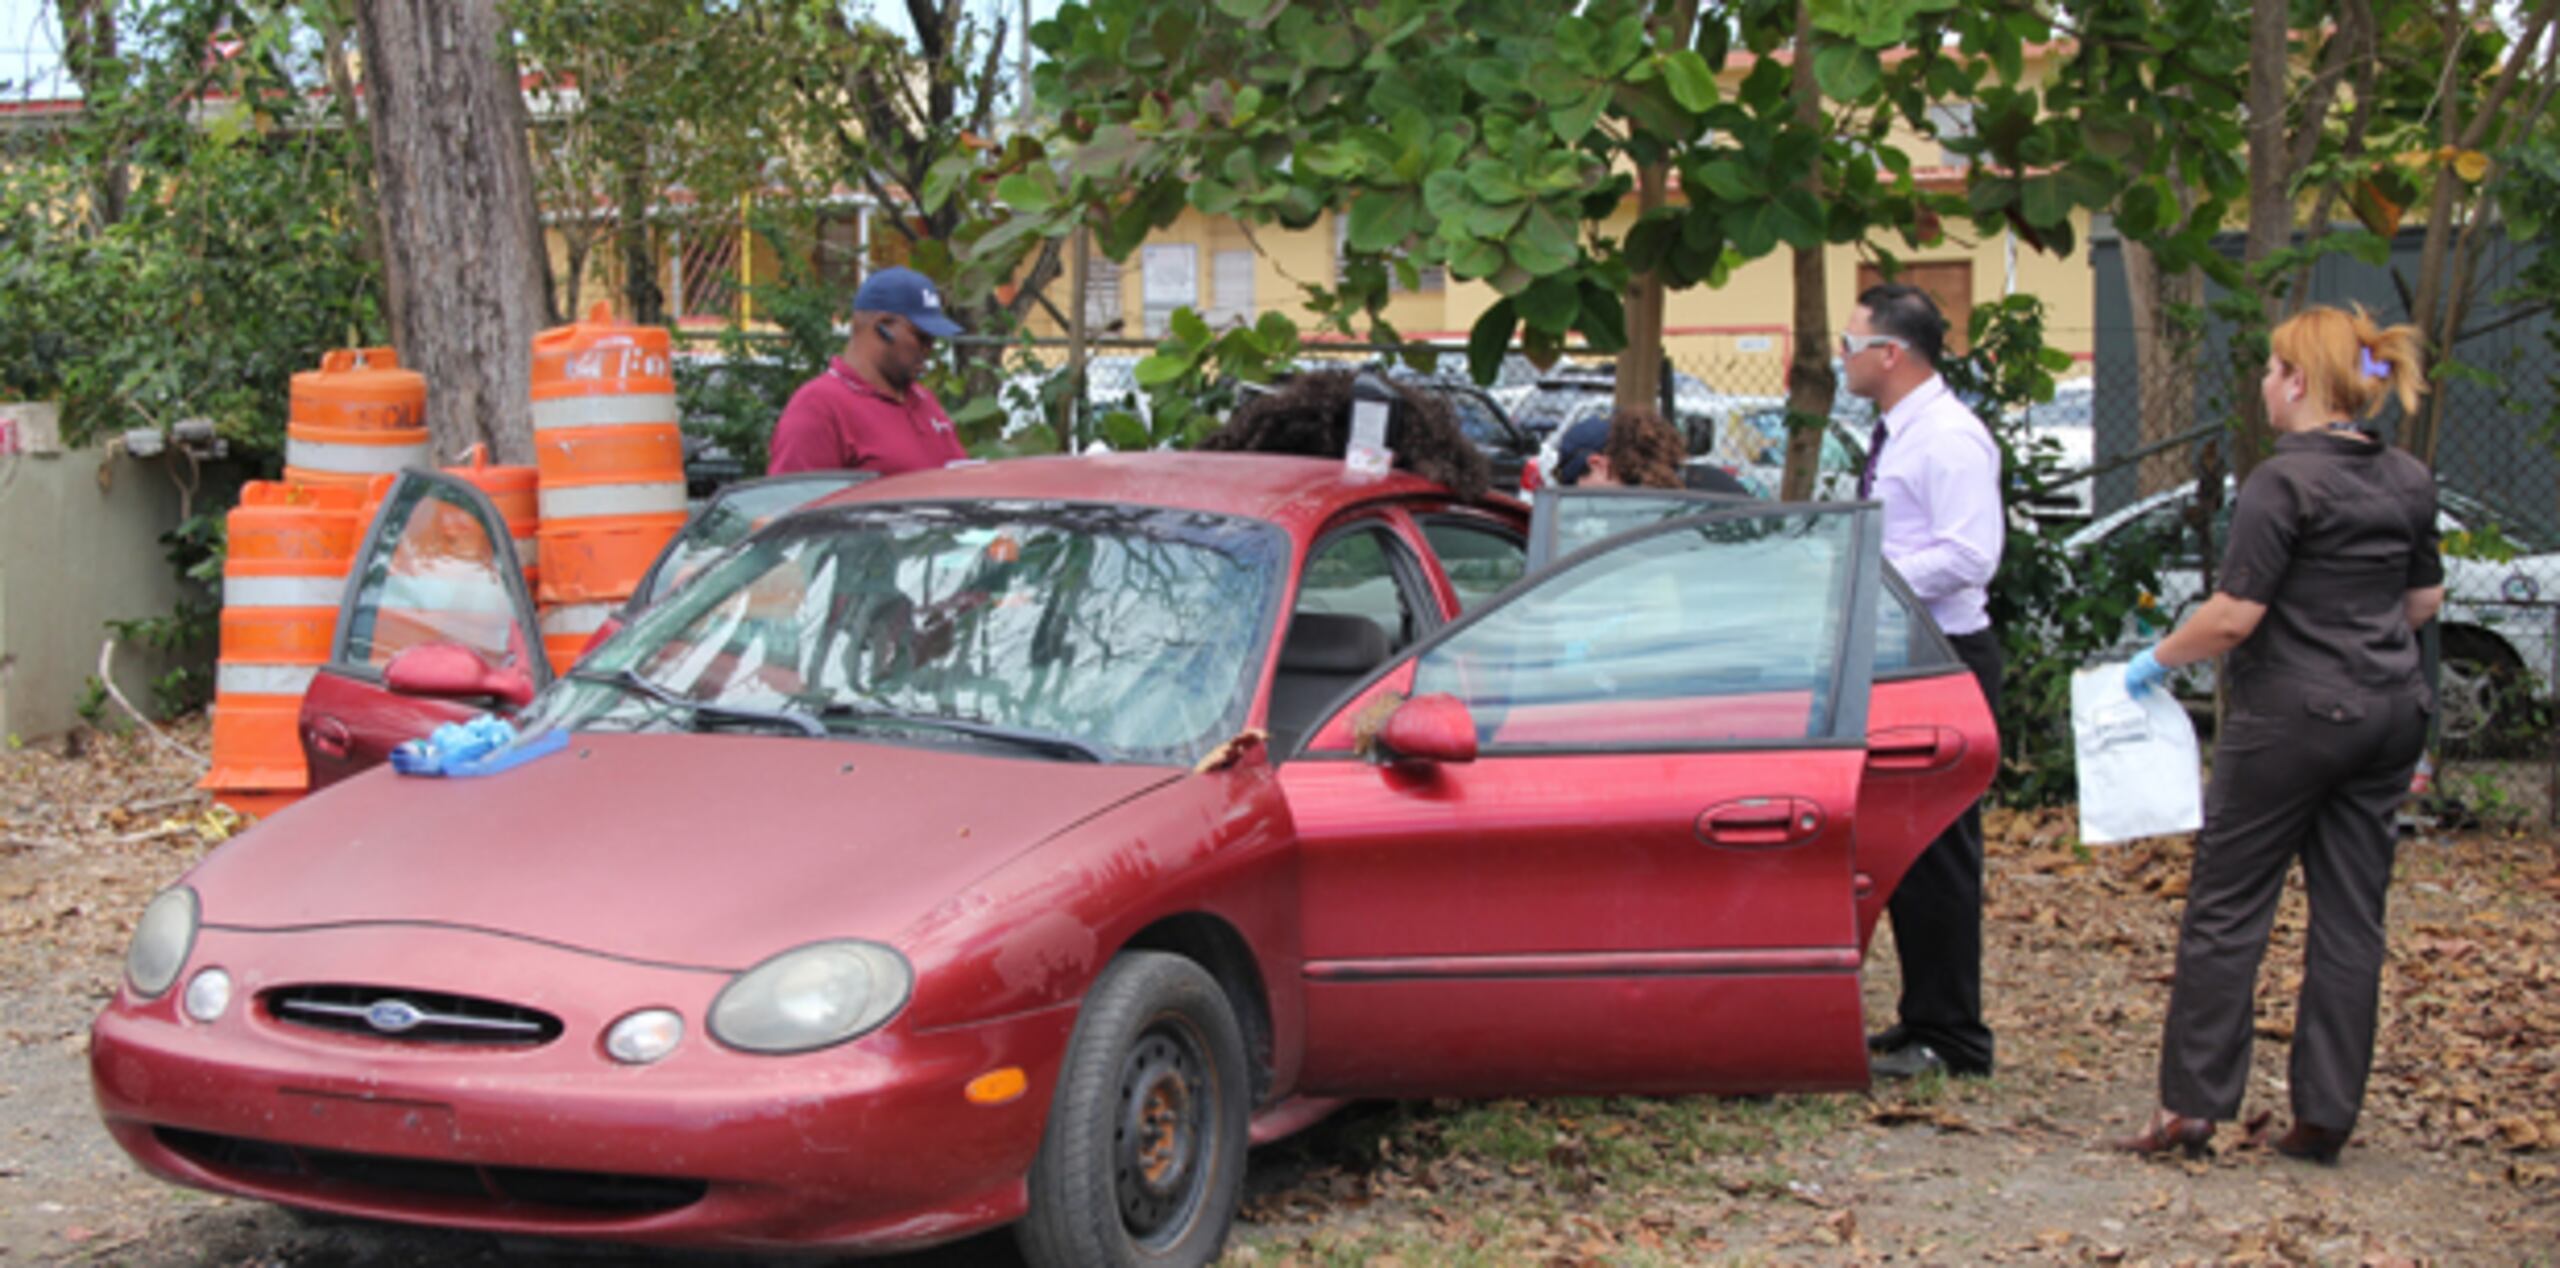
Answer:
(2055, 611)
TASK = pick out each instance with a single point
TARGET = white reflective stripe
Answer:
(312, 455)
(528, 550)
(282, 592)
(659, 497)
(483, 592)
(577, 618)
(262, 680)
(605, 411)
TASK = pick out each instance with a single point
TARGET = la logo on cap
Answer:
(932, 299)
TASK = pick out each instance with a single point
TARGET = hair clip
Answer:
(2370, 366)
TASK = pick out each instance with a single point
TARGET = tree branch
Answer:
(2519, 57)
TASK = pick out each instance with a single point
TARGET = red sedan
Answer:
(1015, 843)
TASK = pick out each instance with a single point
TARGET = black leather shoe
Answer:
(1888, 1039)
(1912, 1060)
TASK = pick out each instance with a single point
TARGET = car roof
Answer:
(1298, 494)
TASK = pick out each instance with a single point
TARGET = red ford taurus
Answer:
(1015, 843)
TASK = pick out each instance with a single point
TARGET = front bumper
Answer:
(869, 1145)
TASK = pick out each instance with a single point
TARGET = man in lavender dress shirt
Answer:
(1937, 470)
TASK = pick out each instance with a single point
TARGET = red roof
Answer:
(1298, 494)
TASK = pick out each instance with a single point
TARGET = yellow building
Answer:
(1737, 337)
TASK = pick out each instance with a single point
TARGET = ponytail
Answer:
(2351, 362)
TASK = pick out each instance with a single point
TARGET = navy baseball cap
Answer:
(909, 294)
(1575, 447)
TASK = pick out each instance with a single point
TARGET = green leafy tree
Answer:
(1502, 143)
(195, 235)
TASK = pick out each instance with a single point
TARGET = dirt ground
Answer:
(2457, 1162)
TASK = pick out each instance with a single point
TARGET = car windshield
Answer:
(1097, 632)
(739, 511)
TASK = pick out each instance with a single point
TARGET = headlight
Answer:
(811, 997)
(161, 941)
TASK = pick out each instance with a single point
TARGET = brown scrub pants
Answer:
(2314, 772)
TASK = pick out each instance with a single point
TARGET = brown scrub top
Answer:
(2331, 533)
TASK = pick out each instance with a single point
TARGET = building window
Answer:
(1168, 278)
(1101, 294)
(1231, 289)
(1952, 121)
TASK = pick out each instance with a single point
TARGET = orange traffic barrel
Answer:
(610, 456)
(516, 492)
(567, 629)
(356, 417)
(289, 550)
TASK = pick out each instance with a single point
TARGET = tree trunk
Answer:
(1640, 369)
(89, 52)
(1810, 382)
(2163, 356)
(463, 262)
(1640, 363)
(2270, 212)
(644, 302)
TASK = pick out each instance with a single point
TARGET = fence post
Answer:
(1071, 425)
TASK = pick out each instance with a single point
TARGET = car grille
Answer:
(316, 1171)
(387, 1012)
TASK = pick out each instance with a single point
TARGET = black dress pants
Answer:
(2300, 771)
(1937, 914)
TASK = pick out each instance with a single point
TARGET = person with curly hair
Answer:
(1634, 448)
(1311, 415)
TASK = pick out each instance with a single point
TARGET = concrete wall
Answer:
(79, 546)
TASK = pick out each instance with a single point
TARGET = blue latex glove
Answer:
(2143, 672)
(453, 746)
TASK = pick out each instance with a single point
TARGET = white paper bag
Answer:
(2139, 776)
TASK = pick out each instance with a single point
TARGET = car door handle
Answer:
(1760, 823)
(330, 737)
(1914, 748)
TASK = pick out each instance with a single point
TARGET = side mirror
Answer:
(1434, 728)
(450, 670)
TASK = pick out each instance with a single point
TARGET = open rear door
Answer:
(437, 569)
(1933, 746)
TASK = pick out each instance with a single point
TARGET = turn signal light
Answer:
(996, 1087)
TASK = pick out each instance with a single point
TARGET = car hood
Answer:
(709, 851)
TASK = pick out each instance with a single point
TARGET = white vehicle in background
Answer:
(2497, 627)
(2069, 421)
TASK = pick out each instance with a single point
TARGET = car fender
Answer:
(1037, 931)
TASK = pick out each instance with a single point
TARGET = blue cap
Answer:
(1575, 447)
(909, 294)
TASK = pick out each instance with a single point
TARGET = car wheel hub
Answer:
(2467, 693)
(1158, 1143)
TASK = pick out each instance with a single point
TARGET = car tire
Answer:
(1143, 1159)
(2476, 691)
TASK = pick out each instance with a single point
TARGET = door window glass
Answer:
(1355, 575)
(1569, 519)
(1906, 638)
(1722, 630)
(437, 578)
(1480, 562)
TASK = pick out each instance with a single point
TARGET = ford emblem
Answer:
(393, 1016)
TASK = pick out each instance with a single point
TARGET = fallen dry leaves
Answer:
(2458, 1159)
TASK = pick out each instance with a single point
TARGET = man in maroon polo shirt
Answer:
(867, 412)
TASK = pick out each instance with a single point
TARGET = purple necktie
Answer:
(1875, 452)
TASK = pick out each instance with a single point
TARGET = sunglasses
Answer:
(1852, 345)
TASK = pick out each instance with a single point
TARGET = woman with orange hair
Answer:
(2330, 569)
